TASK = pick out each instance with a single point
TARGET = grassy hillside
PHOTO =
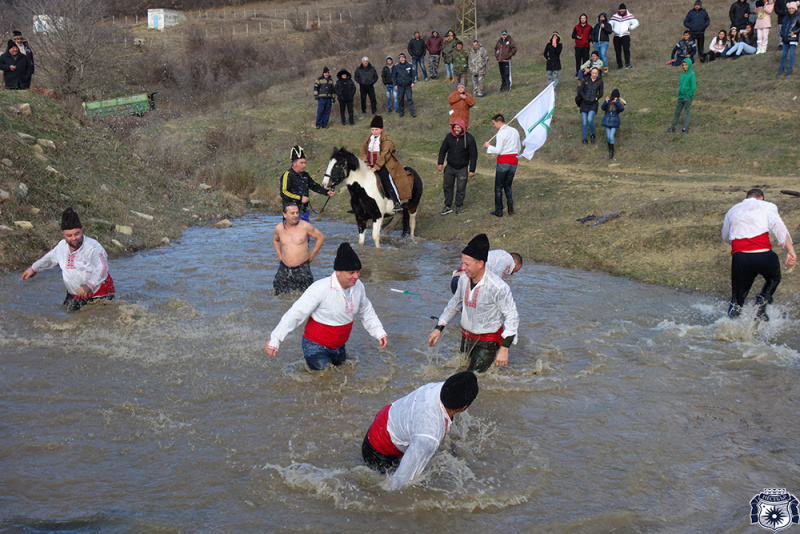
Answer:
(671, 191)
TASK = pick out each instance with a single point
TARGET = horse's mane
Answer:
(350, 159)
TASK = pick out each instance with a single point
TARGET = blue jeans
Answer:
(587, 121)
(391, 97)
(602, 49)
(318, 357)
(610, 135)
(741, 48)
(503, 176)
(787, 49)
(405, 91)
(449, 69)
(419, 60)
(323, 111)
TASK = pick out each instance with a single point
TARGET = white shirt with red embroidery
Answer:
(327, 303)
(484, 308)
(753, 217)
(417, 424)
(500, 263)
(88, 265)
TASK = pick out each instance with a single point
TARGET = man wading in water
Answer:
(489, 318)
(290, 240)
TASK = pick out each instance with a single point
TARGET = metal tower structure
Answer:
(467, 20)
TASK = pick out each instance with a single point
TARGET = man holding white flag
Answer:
(535, 120)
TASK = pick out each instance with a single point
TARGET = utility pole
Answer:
(467, 19)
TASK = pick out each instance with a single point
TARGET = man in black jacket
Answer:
(25, 49)
(366, 77)
(296, 182)
(462, 157)
(15, 67)
(403, 79)
(739, 14)
(696, 22)
(324, 94)
(417, 49)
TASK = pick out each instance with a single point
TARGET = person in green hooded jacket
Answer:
(686, 90)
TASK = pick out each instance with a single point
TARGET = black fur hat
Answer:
(70, 220)
(459, 390)
(478, 248)
(377, 122)
(346, 259)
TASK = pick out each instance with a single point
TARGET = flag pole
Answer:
(498, 131)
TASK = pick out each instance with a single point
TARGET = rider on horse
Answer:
(379, 153)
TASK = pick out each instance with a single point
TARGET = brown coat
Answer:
(460, 107)
(387, 158)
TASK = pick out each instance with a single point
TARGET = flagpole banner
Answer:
(535, 120)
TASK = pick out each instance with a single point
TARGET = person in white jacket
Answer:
(623, 22)
(746, 228)
(330, 305)
(407, 433)
(83, 262)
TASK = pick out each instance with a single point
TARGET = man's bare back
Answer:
(290, 239)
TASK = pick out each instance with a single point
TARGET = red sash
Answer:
(326, 335)
(105, 289)
(759, 242)
(497, 337)
(378, 434)
(507, 159)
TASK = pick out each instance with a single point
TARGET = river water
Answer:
(625, 407)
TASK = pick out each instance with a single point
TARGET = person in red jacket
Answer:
(582, 33)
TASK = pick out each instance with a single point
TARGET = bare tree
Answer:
(74, 47)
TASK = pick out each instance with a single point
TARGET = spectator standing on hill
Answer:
(504, 50)
(25, 49)
(623, 23)
(448, 47)
(507, 149)
(434, 46)
(739, 14)
(780, 10)
(462, 157)
(590, 92)
(296, 182)
(403, 78)
(324, 94)
(15, 67)
(552, 54)
(613, 107)
(460, 103)
(346, 92)
(686, 89)
(696, 22)
(686, 47)
(789, 31)
(746, 228)
(582, 33)
(366, 77)
(478, 59)
(388, 82)
(417, 49)
(601, 33)
(763, 24)
(460, 65)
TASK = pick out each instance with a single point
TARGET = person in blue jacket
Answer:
(613, 106)
(696, 22)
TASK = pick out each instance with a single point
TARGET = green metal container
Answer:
(136, 105)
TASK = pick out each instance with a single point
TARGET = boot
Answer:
(592, 138)
(511, 208)
(610, 151)
(761, 313)
(497, 212)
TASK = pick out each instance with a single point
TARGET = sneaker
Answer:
(761, 312)
(619, 68)
(605, 70)
(628, 66)
(734, 310)
(460, 210)
(585, 141)
(427, 80)
(446, 210)
(670, 130)
(593, 139)
(414, 115)
(684, 131)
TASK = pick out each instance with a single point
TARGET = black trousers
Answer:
(622, 44)
(700, 39)
(349, 106)
(745, 266)
(377, 460)
(368, 90)
(581, 57)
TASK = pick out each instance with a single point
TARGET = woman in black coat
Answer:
(590, 92)
(15, 67)
(552, 53)
(345, 91)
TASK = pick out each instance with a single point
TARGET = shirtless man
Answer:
(290, 240)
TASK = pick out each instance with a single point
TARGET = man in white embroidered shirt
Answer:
(407, 433)
(330, 305)
(83, 262)
(507, 149)
(489, 318)
(747, 227)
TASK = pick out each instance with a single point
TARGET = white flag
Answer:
(535, 120)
